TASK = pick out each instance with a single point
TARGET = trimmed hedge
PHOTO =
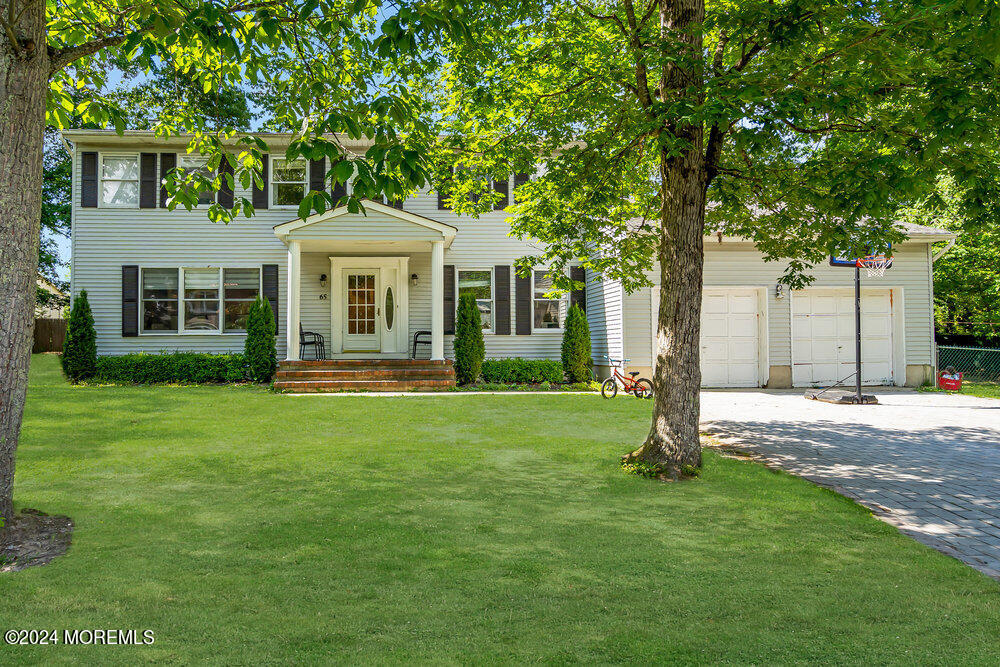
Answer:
(522, 371)
(176, 367)
(259, 349)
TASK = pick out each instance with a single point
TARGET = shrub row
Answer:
(522, 371)
(183, 367)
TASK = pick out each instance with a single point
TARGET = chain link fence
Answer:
(977, 364)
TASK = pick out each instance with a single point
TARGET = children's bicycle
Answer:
(640, 388)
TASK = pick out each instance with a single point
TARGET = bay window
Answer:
(480, 285)
(198, 300)
(549, 313)
(288, 182)
(120, 181)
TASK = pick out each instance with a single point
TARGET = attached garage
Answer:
(733, 336)
(823, 336)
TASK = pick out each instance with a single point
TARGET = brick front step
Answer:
(322, 386)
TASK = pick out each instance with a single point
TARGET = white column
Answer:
(294, 282)
(437, 300)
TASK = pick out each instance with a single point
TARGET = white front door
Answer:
(823, 336)
(361, 315)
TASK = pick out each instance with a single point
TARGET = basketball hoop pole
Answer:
(857, 332)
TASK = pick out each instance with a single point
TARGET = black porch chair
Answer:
(313, 339)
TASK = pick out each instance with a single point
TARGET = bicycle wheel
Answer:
(609, 389)
(643, 388)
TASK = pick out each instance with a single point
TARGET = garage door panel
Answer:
(844, 327)
(713, 349)
(729, 338)
(743, 326)
(743, 303)
(823, 340)
(714, 304)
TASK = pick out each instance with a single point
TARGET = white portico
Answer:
(359, 269)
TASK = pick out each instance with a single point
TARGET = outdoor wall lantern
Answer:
(322, 280)
(413, 279)
(779, 291)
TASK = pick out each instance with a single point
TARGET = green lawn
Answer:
(982, 389)
(245, 527)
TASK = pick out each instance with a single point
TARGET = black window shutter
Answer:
(317, 174)
(168, 162)
(339, 190)
(442, 195)
(519, 180)
(269, 288)
(88, 179)
(260, 194)
(147, 180)
(578, 296)
(225, 191)
(130, 300)
(501, 283)
(503, 187)
(449, 298)
(522, 305)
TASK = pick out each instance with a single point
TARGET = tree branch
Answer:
(62, 57)
(641, 78)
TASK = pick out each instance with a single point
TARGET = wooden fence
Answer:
(49, 334)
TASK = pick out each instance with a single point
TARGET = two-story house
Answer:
(162, 280)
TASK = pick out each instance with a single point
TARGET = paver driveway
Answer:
(926, 463)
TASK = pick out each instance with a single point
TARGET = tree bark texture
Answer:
(673, 441)
(23, 84)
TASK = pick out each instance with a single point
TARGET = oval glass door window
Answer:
(390, 309)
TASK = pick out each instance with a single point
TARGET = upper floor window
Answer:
(120, 181)
(288, 182)
(480, 285)
(549, 313)
(197, 163)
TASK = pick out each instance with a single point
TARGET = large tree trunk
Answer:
(673, 442)
(23, 84)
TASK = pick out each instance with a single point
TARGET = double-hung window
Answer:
(197, 163)
(549, 313)
(196, 300)
(201, 299)
(120, 181)
(239, 287)
(288, 182)
(159, 300)
(480, 285)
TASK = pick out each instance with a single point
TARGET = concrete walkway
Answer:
(927, 463)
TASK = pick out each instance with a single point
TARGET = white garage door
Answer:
(730, 337)
(823, 339)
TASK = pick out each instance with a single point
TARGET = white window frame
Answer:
(271, 182)
(493, 294)
(259, 268)
(100, 180)
(563, 298)
(200, 161)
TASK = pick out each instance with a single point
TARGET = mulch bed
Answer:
(33, 538)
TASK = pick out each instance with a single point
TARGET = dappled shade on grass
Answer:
(242, 525)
